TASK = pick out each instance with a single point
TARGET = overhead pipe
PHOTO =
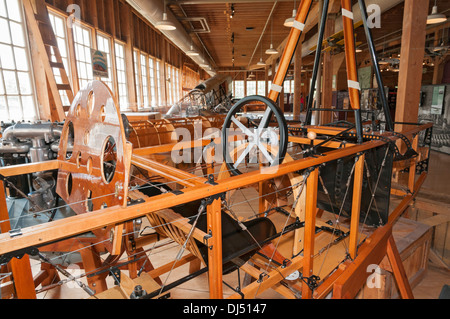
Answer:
(153, 12)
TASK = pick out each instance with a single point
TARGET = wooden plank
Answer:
(399, 271)
(310, 229)
(172, 173)
(356, 205)
(215, 267)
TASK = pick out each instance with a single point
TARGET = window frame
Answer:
(31, 95)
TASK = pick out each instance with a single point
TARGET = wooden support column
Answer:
(310, 229)
(214, 218)
(20, 268)
(327, 85)
(129, 57)
(297, 108)
(356, 206)
(411, 63)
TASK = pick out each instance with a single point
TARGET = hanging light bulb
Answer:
(261, 62)
(436, 17)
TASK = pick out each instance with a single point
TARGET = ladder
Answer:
(45, 40)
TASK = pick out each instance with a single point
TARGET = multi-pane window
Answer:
(144, 80)
(121, 76)
(104, 45)
(17, 99)
(251, 88)
(137, 78)
(153, 82)
(239, 92)
(169, 84)
(58, 25)
(158, 81)
(261, 88)
(83, 45)
(177, 88)
(288, 86)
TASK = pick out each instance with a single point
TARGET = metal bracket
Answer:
(133, 202)
(15, 233)
(115, 273)
(19, 254)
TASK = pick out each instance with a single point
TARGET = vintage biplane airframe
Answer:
(323, 214)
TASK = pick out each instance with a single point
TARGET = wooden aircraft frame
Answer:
(344, 282)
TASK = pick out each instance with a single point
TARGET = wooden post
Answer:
(398, 269)
(411, 63)
(356, 206)
(297, 108)
(214, 217)
(327, 85)
(20, 268)
(129, 57)
(310, 229)
(288, 53)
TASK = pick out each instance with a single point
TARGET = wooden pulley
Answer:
(94, 153)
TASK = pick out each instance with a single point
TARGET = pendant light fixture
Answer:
(192, 52)
(436, 17)
(289, 22)
(271, 50)
(261, 62)
(165, 25)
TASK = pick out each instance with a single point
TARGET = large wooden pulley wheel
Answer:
(254, 134)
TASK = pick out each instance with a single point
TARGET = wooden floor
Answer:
(429, 288)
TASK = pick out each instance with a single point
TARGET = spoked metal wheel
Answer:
(254, 134)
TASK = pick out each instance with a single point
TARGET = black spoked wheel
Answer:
(255, 134)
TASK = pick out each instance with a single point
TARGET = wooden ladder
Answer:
(47, 46)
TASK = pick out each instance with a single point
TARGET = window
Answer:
(104, 45)
(144, 80)
(288, 86)
(58, 25)
(151, 63)
(177, 85)
(158, 81)
(251, 88)
(137, 78)
(121, 76)
(169, 84)
(262, 88)
(239, 89)
(82, 39)
(17, 99)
